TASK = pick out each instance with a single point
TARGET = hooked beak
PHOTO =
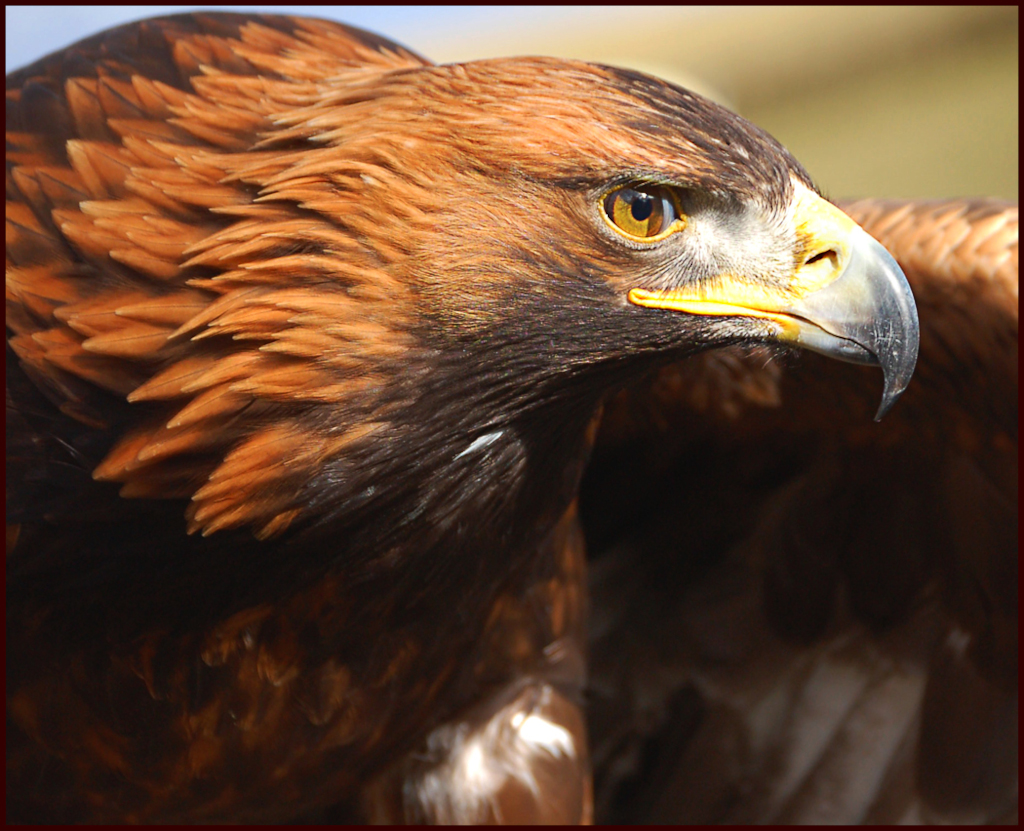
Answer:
(849, 299)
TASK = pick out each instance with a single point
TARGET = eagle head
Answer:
(312, 274)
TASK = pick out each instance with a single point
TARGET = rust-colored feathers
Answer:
(163, 258)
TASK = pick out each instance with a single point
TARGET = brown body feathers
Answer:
(308, 341)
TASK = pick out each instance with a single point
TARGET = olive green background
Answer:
(910, 101)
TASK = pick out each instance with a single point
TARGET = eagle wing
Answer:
(802, 616)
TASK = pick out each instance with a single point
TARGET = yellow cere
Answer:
(824, 229)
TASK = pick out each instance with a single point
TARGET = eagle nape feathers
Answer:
(310, 345)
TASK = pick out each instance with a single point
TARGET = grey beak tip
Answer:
(888, 399)
(897, 333)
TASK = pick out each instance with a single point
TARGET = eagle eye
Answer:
(646, 213)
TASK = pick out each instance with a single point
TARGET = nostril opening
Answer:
(828, 253)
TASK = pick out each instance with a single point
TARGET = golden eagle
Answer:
(308, 345)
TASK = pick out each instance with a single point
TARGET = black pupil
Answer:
(642, 207)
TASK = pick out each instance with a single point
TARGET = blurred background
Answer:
(874, 101)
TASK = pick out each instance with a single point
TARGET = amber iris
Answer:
(642, 213)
